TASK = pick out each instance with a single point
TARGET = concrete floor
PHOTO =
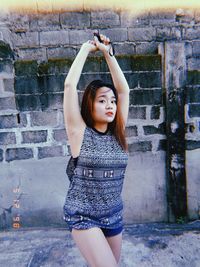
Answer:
(144, 245)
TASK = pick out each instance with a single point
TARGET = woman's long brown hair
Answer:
(117, 126)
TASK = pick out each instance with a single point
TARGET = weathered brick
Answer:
(26, 39)
(27, 85)
(193, 77)
(52, 151)
(132, 79)
(131, 131)
(176, 33)
(188, 49)
(7, 138)
(142, 34)
(51, 83)
(34, 136)
(142, 146)
(192, 95)
(55, 66)
(150, 129)
(130, 20)
(146, 97)
(194, 64)
(146, 48)
(75, 19)
(192, 33)
(125, 47)
(61, 52)
(137, 113)
(165, 18)
(5, 32)
(8, 85)
(146, 62)
(171, 33)
(31, 54)
(150, 79)
(194, 110)
(18, 153)
(87, 78)
(192, 144)
(19, 23)
(60, 135)
(25, 68)
(105, 19)
(21, 119)
(163, 34)
(124, 61)
(6, 66)
(77, 37)
(116, 34)
(5, 51)
(155, 113)
(94, 64)
(42, 118)
(162, 145)
(11, 121)
(7, 103)
(54, 38)
(196, 47)
(1, 154)
(45, 22)
(51, 101)
(28, 102)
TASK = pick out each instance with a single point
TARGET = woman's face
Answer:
(104, 106)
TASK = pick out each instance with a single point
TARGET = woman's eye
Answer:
(102, 101)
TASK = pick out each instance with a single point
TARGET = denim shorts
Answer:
(110, 232)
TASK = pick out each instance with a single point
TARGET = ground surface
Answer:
(144, 245)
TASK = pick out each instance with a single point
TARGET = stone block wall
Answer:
(37, 129)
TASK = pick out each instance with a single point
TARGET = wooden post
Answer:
(174, 80)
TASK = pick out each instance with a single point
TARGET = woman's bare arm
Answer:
(118, 77)
(72, 115)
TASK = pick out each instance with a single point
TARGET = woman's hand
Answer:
(90, 46)
(103, 46)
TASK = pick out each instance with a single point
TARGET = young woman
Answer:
(93, 205)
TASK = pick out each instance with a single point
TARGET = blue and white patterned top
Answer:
(94, 194)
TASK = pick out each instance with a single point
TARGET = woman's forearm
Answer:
(118, 77)
(74, 73)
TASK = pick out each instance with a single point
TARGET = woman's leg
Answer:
(115, 243)
(94, 247)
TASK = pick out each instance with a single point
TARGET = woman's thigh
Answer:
(94, 247)
(115, 243)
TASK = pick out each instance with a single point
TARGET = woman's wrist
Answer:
(85, 49)
(107, 55)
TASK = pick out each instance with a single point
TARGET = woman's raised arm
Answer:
(72, 115)
(118, 77)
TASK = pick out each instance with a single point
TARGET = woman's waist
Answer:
(100, 172)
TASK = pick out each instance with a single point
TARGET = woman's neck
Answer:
(101, 127)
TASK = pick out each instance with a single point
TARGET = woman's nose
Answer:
(109, 105)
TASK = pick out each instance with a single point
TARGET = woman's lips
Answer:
(109, 113)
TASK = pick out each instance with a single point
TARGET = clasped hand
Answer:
(94, 45)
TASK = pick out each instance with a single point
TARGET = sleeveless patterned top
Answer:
(94, 194)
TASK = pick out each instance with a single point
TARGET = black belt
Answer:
(89, 172)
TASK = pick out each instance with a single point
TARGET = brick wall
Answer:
(43, 47)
